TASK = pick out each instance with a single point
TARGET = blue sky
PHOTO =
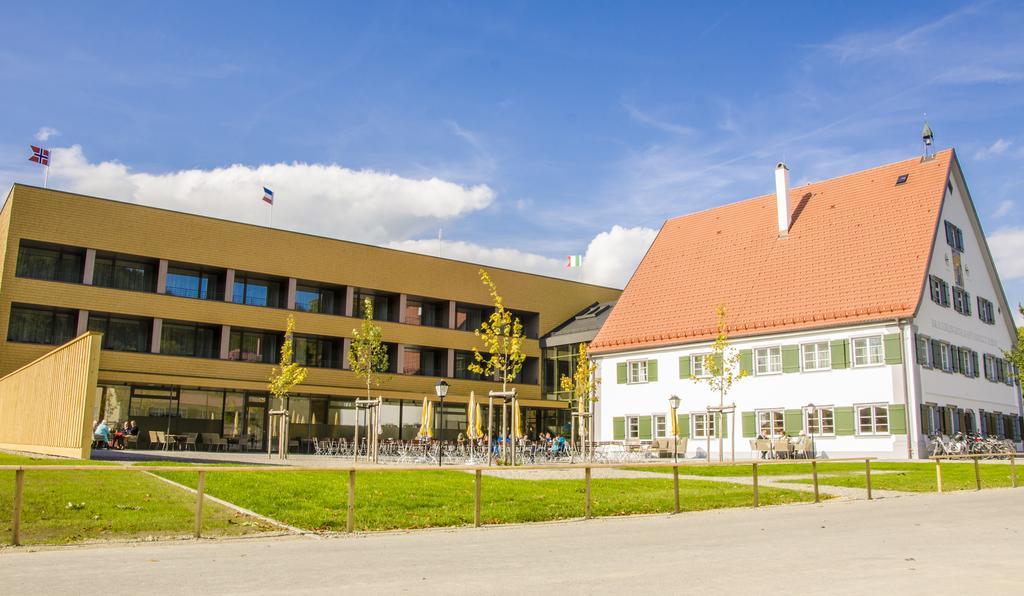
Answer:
(527, 131)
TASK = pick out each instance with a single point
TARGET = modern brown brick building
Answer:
(193, 311)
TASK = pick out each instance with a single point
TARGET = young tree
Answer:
(1016, 354)
(721, 370)
(285, 377)
(582, 387)
(502, 336)
(368, 356)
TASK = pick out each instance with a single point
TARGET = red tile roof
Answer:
(857, 250)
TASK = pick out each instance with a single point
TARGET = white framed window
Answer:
(632, 427)
(868, 351)
(768, 361)
(697, 366)
(821, 422)
(660, 426)
(703, 425)
(923, 351)
(817, 356)
(945, 357)
(872, 419)
(637, 371)
(770, 423)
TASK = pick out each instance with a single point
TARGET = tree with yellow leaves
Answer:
(721, 370)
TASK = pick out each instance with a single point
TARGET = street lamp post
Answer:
(442, 390)
(673, 403)
(812, 411)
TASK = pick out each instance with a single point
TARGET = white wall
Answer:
(946, 324)
(843, 387)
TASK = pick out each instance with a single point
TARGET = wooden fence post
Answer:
(814, 475)
(350, 521)
(977, 474)
(200, 489)
(586, 481)
(756, 499)
(1013, 471)
(867, 476)
(675, 485)
(938, 474)
(476, 513)
(19, 487)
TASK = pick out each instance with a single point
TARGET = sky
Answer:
(526, 131)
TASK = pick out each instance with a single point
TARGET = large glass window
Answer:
(703, 425)
(253, 346)
(821, 422)
(257, 291)
(152, 402)
(122, 334)
(54, 263)
(462, 362)
(192, 282)
(317, 352)
(468, 317)
(424, 361)
(190, 339)
(125, 273)
(322, 299)
(559, 361)
(200, 405)
(429, 313)
(234, 414)
(383, 306)
(41, 325)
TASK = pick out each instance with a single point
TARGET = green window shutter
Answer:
(684, 367)
(684, 426)
(790, 359)
(645, 427)
(893, 348)
(793, 421)
(840, 353)
(924, 418)
(844, 420)
(747, 362)
(897, 419)
(749, 424)
(620, 373)
(723, 421)
(618, 428)
(652, 371)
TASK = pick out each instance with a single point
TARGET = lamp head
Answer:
(441, 388)
(674, 402)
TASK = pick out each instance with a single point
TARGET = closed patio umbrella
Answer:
(479, 420)
(517, 422)
(471, 416)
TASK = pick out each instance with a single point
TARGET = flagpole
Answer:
(46, 174)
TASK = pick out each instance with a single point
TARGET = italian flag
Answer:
(573, 261)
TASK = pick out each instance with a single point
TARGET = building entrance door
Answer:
(256, 421)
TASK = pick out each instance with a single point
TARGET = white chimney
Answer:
(782, 198)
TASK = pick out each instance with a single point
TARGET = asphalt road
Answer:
(955, 542)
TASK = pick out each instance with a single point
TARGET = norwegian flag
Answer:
(40, 156)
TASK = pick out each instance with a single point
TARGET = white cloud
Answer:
(997, 148)
(327, 199)
(1004, 209)
(610, 259)
(655, 122)
(1007, 245)
(46, 133)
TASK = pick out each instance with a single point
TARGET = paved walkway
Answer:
(839, 547)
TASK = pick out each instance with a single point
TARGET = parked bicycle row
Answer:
(970, 444)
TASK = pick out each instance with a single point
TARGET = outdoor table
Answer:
(169, 438)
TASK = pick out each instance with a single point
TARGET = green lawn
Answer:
(66, 507)
(899, 476)
(401, 500)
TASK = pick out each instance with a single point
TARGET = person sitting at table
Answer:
(134, 429)
(102, 434)
(119, 434)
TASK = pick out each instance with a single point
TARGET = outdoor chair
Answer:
(213, 441)
(131, 441)
(99, 441)
(802, 448)
(762, 447)
(161, 439)
(190, 440)
(782, 447)
(154, 440)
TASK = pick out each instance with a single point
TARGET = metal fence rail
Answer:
(202, 470)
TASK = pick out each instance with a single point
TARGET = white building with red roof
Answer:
(872, 297)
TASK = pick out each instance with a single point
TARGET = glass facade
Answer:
(125, 273)
(53, 263)
(468, 317)
(429, 313)
(122, 334)
(41, 325)
(254, 346)
(559, 361)
(384, 306)
(424, 361)
(257, 291)
(190, 339)
(195, 282)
